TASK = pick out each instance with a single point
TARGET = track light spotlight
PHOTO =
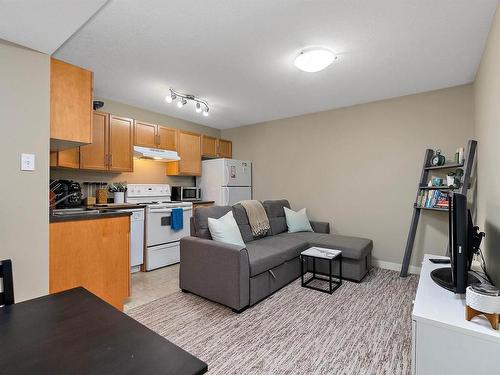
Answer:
(205, 112)
(168, 99)
(181, 103)
(198, 107)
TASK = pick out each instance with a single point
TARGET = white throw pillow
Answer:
(225, 229)
(297, 221)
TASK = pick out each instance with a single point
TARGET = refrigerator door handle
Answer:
(226, 202)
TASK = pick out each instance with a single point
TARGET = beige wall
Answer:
(145, 171)
(24, 105)
(358, 167)
(487, 127)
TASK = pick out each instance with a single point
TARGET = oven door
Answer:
(158, 226)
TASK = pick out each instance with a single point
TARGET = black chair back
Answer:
(7, 294)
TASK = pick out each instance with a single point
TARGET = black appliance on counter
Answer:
(68, 193)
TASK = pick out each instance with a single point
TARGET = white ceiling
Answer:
(44, 25)
(238, 54)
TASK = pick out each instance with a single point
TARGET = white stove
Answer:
(162, 242)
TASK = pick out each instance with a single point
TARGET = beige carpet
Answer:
(360, 329)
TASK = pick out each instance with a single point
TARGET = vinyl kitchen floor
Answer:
(149, 286)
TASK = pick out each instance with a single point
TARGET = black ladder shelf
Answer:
(470, 154)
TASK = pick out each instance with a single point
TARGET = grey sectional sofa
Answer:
(241, 276)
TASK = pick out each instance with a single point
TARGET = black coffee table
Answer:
(329, 255)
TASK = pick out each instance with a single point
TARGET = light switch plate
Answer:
(27, 162)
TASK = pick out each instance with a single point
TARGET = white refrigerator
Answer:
(225, 181)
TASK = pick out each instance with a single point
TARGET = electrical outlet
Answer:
(27, 162)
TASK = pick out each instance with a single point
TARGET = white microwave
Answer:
(185, 193)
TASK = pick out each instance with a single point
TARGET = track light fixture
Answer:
(201, 105)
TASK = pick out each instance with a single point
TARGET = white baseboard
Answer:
(394, 266)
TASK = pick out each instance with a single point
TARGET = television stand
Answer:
(443, 342)
(443, 278)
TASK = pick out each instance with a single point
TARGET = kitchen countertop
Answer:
(200, 202)
(103, 214)
(118, 206)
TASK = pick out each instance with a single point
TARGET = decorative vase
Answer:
(119, 197)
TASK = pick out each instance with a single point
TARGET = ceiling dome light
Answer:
(198, 107)
(314, 59)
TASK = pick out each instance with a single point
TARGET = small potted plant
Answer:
(118, 189)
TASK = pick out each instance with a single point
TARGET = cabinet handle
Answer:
(105, 160)
(110, 160)
(159, 139)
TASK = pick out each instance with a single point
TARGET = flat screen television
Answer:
(463, 237)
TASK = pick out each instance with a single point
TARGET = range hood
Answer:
(155, 154)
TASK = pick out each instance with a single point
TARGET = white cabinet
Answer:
(443, 342)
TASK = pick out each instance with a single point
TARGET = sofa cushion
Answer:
(297, 221)
(225, 229)
(276, 214)
(271, 251)
(240, 214)
(352, 247)
(200, 219)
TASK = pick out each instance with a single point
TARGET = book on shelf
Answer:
(432, 199)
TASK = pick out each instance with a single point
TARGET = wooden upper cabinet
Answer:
(167, 138)
(209, 146)
(69, 158)
(70, 105)
(225, 149)
(120, 144)
(95, 155)
(189, 149)
(145, 134)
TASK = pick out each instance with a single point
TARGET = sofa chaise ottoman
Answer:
(241, 276)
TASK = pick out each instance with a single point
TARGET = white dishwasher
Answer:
(136, 238)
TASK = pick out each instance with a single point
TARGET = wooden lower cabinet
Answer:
(65, 159)
(189, 149)
(93, 254)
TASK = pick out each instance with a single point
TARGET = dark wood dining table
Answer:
(75, 332)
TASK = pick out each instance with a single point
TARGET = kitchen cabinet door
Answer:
(95, 155)
(69, 158)
(145, 134)
(225, 149)
(209, 146)
(70, 105)
(189, 149)
(120, 144)
(167, 138)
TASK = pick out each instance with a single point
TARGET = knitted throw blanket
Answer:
(257, 217)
